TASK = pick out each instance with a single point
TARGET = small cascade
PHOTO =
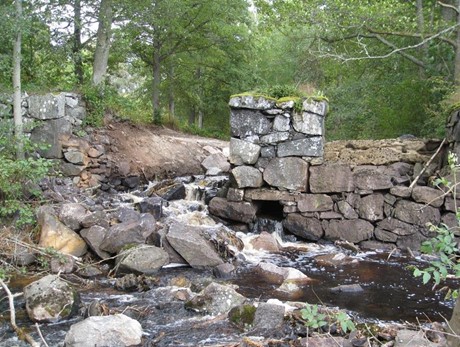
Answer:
(204, 188)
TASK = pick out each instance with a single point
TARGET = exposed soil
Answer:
(157, 152)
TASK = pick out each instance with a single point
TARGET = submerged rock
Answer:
(50, 299)
(114, 331)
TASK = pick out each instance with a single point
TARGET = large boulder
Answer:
(306, 228)
(354, 230)
(216, 163)
(287, 173)
(244, 212)
(50, 132)
(216, 299)
(114, 331)
(48, 106)
(128, 233)
(331, 178)
(143, 259)
(189, 241)
(50, 299)
(55, 234)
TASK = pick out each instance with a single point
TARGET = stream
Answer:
(389, 291)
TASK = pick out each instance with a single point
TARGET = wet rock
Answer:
(122, 234)
(72, 214)
(411, 241)
(397, 227)
(216, 161)
(347, 288)
(244, 212)
(153, 205)
(377, 246)
(355, 230)
(169, 190)
(94, 237)
(216, 299)
(224, 271)
(115, 331)
(287, 173)
(428, 195)
(90, 271)
(190, 243)
(331, 178)
(334, 259)
(247, 177)
(371, 207)
(243, 152)
(132, 282)
(50, 299)
(306, 228)
(242, 315)
(265, 242)
(323, 342)
(268, 319)
(418, 214)
(384, 235)
(55, 234)
(279, 275)
(142, 259)
(315, 203)
(371, 178)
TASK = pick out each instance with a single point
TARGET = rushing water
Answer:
(390, 293)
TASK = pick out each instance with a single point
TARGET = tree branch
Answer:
(452, 7)
(414, 35)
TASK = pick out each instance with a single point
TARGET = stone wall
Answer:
(56, 120)
(358, 191)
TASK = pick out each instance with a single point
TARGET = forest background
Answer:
(387, 67)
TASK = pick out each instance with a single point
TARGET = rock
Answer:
(278, 275)
(274, 137)
(75, 157)
(287, 173)
(411, 338)
(411, 241)
(418, 214)
(377, 246)
(234, 194)
(94, 152)
(346, 210)
(142, 259)
(114, 331)
(168, 190)
(242, 315)
(244, 123)
(347, 288)
(256, 102)
(307, 228)
(427, 195)
(127, 233)
(68, 169)
(47, 106)
(126, 214)
(153, 205)
(371, 178)
(308, 147)
(397, 227)
(55, 234)
(319, 107)
(402, 192)
(190, 243)
(324, 342)
(315, 203)
(131, 182)
(331, 178)
(49, 132)
(244, 212)
(224, 271)
(247, 176)
(95, 218)
(50, 299)
(384, 235)
(338, 259)
(355, 230)
(265, 242)
(268, 152)
(72, 214)
(281, 123)
(308, 123)
(268, 319)
(371, 207)
(216, 161)
(62, 264)
(243, 152)
(267, 195)
(216, 299)
(94, 237)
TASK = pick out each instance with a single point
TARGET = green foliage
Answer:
(96, 103)
(157, 117)
(443, 245)
(19, 177)
(316, 320)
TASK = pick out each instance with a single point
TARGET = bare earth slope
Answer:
(155, 151)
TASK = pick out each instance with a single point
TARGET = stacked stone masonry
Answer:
(277, 156)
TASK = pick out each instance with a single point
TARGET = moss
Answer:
(453, 107)
(242, 315)
(254, 94)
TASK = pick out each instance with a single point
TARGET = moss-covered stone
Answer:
(242, 315)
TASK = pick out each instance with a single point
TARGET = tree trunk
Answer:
(17, 109)
(101, 53)
(171, 99)
(192, 116)
(457, 50)
(156, 85)
(200, 119)
(421, 31)
(78, 63)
